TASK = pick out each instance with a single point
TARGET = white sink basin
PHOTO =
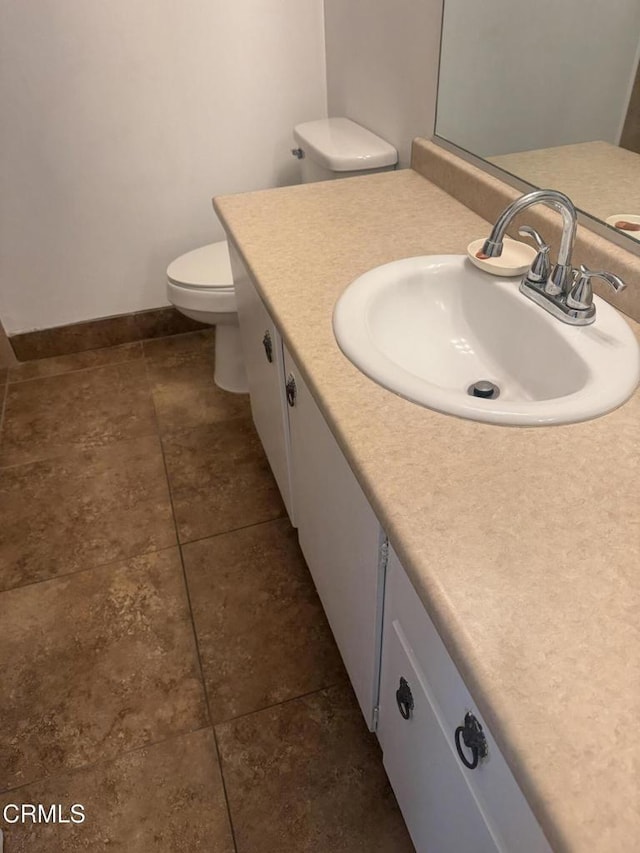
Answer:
(430, 327)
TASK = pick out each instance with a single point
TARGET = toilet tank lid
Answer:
(208, 266)
(342, 145)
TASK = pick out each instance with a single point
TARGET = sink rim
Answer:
(610, 374)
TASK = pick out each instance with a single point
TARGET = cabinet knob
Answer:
(291, 390)
(473, 738)
(267, 343)
(404, 698)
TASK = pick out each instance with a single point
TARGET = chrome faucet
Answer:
(565, 292)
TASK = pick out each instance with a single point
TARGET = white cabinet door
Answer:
(439, 797)
(438, 807)
(340, 538)
(262, 351)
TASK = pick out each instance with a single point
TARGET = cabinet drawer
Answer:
(438, 805)
(497, 795)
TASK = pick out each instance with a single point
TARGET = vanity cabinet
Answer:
(338, 532)
(408, 688)
(340, 538)
(423, 700)
(262, 351)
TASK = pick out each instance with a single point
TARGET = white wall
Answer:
(517, 76)
(382, 66)
(120, 120)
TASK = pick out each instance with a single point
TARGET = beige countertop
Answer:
(523, 544)
(600, 178)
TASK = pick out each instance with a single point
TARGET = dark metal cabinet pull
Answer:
(473, 738)
(404, 698)
(267, 343)
(291, 390)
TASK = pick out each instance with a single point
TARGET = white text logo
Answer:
(37, 813)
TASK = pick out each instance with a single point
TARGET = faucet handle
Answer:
(581, 294)
(528, 231)
(541, 266)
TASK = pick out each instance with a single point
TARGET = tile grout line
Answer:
(130, 344)
(235, 529)
(174, 735)
(224, 790)
(204, 332)
(246, 714)
(202, 539)
(77, 449)
(97, 567)
(141, 360)
(175, 527)
(92, 765)
(73, 369)
(193, 623)
(78, 445)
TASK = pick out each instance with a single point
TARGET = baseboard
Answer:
(106, 332)
(7, 357)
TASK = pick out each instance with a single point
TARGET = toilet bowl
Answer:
(200, 286)
(200, 283)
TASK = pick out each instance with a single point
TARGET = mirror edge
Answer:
(586, 219)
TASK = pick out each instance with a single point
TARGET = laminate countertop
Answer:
(522, 543)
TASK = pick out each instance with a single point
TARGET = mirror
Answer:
(549, 92)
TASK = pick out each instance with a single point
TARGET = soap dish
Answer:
(626, 218)
(516, 258)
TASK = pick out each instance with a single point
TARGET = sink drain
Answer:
(484, 389)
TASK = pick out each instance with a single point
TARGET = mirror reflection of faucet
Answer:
(563, 291)
(628, 223)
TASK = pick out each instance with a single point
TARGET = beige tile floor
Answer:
(164, 659)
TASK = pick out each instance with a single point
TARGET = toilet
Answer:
(200, 283)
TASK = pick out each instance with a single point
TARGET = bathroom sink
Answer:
(438, 331)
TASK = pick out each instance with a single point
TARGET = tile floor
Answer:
(164, 659)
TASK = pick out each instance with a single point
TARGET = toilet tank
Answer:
(339, 148)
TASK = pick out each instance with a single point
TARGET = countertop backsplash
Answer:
(488, 196)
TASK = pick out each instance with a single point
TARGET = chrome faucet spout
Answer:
(560, 279)
(552, 198)
(564, 292)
